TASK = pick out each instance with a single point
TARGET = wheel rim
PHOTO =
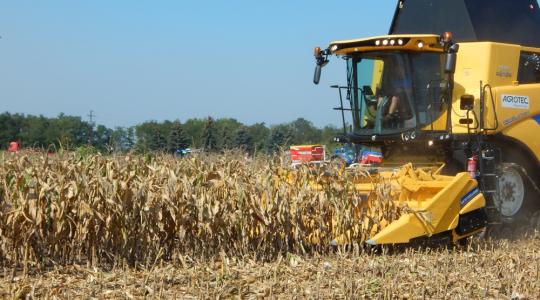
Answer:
(511, 192)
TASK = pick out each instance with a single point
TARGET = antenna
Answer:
(91, 117)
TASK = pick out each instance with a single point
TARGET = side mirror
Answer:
(317, 76)
(450, 64)
(321, 62)
(451, 59)
(466, 102)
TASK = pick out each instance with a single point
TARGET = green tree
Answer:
(178, 139)
(210, 136)
(103, 138)
(227, 128)
(130, 139)
(280, 137)
(145, 133)
(243, 139)
(33, 133)
(71, 131)
(11, 127)
(118, 136)
(328, 133)
(159, 142)
(194, 129)
(260, 135)
(304, 132)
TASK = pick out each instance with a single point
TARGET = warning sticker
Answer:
(511, 101)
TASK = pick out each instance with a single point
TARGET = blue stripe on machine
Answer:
(537, 119)
(469, 196)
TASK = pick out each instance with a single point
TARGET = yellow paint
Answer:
(476, 203)
(522, 132)
(378, 68)
(430, 42)
(484, 62)
(435, 208)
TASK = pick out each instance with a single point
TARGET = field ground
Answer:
(497, 270)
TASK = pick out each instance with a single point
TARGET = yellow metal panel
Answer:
(527, 132)
(472, 65)
(430, 37)
(476, 203)
(492, 63)
(378, 68)
(431, 44)
(497, 64)
(429, 216)
(401, 231)
(510, 117)
(456, 237)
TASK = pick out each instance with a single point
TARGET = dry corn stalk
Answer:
(63, 209)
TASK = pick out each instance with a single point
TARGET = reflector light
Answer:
(385, 42)
(447, 37)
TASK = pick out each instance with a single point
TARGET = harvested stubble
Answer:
(137, 210)
(498, 270)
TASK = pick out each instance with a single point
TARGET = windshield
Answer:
(394, 91)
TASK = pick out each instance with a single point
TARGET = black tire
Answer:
(509, 193)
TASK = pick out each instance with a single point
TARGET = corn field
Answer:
(115, 210)
(222, 226)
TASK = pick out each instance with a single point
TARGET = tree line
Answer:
(207, 134)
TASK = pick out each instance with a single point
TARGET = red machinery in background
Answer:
(307, 154)
(13, 147)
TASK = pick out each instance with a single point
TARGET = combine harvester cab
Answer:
(451, 84)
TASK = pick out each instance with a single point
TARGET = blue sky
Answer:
(133, 61)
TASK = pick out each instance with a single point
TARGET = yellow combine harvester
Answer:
(468, 99)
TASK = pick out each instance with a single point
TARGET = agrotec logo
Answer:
(511, 101)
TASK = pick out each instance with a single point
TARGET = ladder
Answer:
(489, 162)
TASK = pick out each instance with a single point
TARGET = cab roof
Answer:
(502, 21)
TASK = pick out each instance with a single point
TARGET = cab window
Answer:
(529, 68)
